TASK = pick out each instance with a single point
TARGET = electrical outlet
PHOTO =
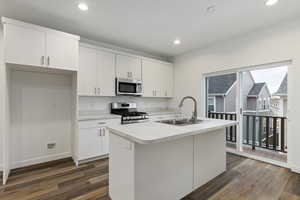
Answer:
(51, 146)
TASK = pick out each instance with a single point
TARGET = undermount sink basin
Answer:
(180, 122)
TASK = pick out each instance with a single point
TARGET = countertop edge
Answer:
(189, 133)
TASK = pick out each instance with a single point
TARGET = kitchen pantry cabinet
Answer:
(128, 67)
(96, 74)
(157, 78)
(27, 44)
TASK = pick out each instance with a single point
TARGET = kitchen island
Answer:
(153, 160)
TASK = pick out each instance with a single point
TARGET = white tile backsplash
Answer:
(95, 105)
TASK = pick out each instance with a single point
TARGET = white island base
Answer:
(166, 170)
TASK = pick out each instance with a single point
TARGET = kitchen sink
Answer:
(180, 122)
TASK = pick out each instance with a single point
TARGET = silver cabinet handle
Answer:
(99, 91)
(100, 132)
(48, 60)
(166, 93)
(95, 91)
(43, 60)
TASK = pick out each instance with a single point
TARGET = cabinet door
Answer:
(90, 143)
(62, 51)
(106, 73)
(87, 72)
(24, 45)
(128, 67)
(168, 73)
(105, 141)
(149, 78)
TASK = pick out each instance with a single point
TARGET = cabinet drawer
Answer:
(91, 124)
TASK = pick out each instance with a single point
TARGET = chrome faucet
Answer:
(194, 116)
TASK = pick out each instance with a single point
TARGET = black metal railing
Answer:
(267, 132)
(230, 131)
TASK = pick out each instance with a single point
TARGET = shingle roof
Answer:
(255, 90)
(221, 84)
(282, 90)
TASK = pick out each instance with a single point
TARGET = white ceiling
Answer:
(152, 25)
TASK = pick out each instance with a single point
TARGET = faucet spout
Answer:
(195, 115)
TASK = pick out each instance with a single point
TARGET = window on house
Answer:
(264, 104)
(211, 102)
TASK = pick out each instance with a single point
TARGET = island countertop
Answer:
(155, 132)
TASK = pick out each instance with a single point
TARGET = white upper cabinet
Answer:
(87, 72)
(128, 67)
(149, 78)
(106, 73)
(24, 45)
(62, 51)
(157, 78)
(96, 74)
(27, 44)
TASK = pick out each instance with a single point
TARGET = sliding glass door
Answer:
(257, 98)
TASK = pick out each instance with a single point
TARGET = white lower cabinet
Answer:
(93, 141)
(89, 143)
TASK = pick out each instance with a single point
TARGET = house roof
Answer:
(219, 85)
(282, 90)
(256, 89)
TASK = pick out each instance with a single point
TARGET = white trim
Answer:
(295, 169)
(6, 20)
(216, 94)
(120, 52)
(249, 68)
(235, 82)
(43, 159)
(92, 159)
(266, 160)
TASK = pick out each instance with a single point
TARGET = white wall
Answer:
(274, 44)
(101, 104)
(41, 113)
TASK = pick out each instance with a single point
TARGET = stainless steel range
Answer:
(129, 113)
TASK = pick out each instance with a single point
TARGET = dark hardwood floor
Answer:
(61, 180)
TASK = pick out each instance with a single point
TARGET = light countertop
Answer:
(155, 132)
(104, 116)
(98, 117)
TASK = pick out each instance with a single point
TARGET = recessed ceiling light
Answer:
(211, 9)
(83, 6)
(176, 42)
(271, 2)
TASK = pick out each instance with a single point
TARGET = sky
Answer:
(272, 76)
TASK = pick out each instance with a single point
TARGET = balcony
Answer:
(262, 135)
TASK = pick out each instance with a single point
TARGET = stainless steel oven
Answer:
(129, 87)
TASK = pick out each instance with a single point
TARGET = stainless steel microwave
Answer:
(129, 87)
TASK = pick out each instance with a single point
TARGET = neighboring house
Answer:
(279, 99)
(259, 99)
(222, 92)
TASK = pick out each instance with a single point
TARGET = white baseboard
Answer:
(295, 169)
(92, 159)
(39, 160)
